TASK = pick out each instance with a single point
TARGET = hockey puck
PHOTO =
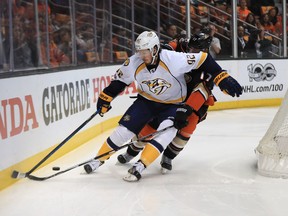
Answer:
(56, 168)
(15, 174)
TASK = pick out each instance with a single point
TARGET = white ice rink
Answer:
(214, 176)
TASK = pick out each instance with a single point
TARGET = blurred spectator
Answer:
(65, 43)
(60, 6)
(171, 13)
(22, 52)
(18, 8)
(29, 11)
(242, 52)
(121, 9)
(145, 15)
(219, 16)
(246, 43)
(203, 11)
(3, 63)
(43, 8)
(87, 49)
(56, 56)
(121, 42)
(275, 19)
(193, 16)
(267, 24)
(255, 6)
(215, 47)
(242, 10)
(273, 15)
(58, 20)
(263, 45)
(171, 33)
(250, 25)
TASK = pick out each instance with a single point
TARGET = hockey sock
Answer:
(150, 153)
(105, 148)
(172, 151)
(133, 150)
(176, 146)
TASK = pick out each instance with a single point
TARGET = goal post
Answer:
(272, 151)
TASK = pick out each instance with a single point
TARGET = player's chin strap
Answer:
(154, 56)
(154, 60)
(36, 178)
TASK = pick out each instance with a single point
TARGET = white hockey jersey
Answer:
(166, 83)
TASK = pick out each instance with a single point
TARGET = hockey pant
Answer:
(200, 99)
(133, 121)
(153, 148)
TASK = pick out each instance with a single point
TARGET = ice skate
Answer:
(124, 158)
(166, 164)
(92, 166)
(134, 173)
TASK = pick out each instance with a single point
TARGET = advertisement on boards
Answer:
(37, 112)
(260, 79)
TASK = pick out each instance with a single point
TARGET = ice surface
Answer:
(215, 175)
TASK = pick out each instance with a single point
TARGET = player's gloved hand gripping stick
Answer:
(17, 174)
(181, 117)
(103, 103)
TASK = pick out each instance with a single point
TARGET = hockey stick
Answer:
(16, 174)
(36, 178)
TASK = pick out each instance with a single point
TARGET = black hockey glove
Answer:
(181, 117)
(103, 103)
(228, 84)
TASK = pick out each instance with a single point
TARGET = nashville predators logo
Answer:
(157, 86)
(127, 118)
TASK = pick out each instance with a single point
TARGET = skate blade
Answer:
(164, 171)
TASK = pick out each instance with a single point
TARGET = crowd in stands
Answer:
(45, 36)
(259, 26)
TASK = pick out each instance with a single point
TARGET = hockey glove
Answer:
(228, 84)
(103, 103)
(181, 117)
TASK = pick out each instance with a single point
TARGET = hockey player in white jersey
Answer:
(161, 90)
(199, 98)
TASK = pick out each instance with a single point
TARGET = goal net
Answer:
(272, 150)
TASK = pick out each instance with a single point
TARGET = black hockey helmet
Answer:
(200, 40)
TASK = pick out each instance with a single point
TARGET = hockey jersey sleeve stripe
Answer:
(139, 69)
(202, 59)
(162, 64)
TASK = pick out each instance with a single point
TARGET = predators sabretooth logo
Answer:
(157, 86)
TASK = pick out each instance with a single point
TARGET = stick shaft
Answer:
(62, 143)
(97, 157)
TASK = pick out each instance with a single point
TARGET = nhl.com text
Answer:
(265, 88)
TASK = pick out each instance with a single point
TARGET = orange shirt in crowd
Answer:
(242, 14)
